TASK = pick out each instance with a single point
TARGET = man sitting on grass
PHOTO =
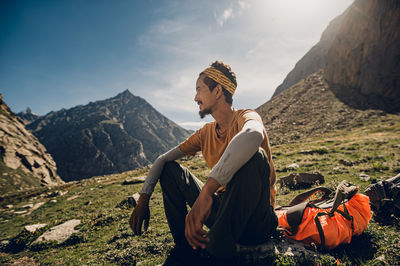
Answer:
(237, 201)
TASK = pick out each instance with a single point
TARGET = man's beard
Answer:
(204, 113)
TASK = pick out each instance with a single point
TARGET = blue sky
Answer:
(60, 53)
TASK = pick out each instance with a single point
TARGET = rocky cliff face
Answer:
(314, 59)
(110, 136)
(363, 64)
(27, 116)
(24, 161)
(310, 108)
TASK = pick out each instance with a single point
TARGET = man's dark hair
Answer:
(227, 70)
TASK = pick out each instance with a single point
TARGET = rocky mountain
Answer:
(27, 116)
(109, 136)
(311, 108)
(359, 80)
(24, 161)
(363, 63)
(315, 58)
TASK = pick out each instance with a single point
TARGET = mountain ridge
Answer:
(112, 135)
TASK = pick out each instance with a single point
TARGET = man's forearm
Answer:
(157, 167)
(210, 187)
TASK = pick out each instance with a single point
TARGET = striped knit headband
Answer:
(220, 78)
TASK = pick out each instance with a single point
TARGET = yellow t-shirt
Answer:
(212, 142)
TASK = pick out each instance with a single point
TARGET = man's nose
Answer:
(196, 97)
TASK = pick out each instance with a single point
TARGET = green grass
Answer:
(105, 236)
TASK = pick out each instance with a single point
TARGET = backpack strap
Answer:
(295, 211)
(302, 197)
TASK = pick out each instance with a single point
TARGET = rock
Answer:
(21, 212)
(396, 146)
(381, 258)
(34, 227)
(9, 206)
(301, 180)
(136, 196)
(88, 202)
(21, 150)
(134, 180)
(4, 245)
(53, 201)
(365, 177)
(59, 233)
(27, 206)
(53, 194)
(363, 70)
(73, 197)
(266, 254)
(37, 206)
(127, 203)
(291, 167)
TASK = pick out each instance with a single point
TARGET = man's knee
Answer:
(170, 169)
(258, 161)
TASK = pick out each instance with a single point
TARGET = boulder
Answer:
(59, 233)
(134, 180)
(27, 206)
(365, 177)
(301, 180)
(129, 202)
(34, 227)
(281, 249)
(292, 167)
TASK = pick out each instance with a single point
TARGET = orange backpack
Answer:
(329, 221)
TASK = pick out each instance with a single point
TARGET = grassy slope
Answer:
(105, 236)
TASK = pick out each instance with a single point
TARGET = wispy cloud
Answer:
(243, 4)
(224, 17)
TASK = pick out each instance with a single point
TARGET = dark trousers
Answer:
(241, 215)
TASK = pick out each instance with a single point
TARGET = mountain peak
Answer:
(112, 135)
(28, 111)
(125, 94)
(27, 116)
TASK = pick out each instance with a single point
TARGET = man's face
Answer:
(204, 97)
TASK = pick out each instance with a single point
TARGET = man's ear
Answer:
(218, 90)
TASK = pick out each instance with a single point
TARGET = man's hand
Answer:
(140, 213)
(195, 219)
